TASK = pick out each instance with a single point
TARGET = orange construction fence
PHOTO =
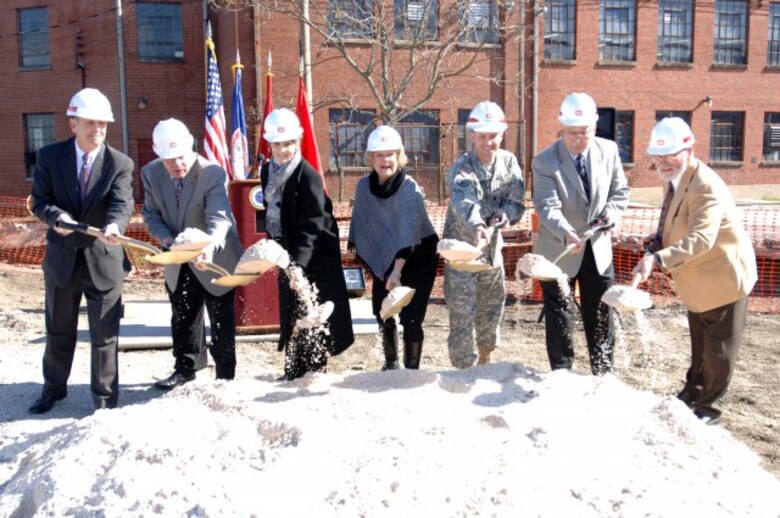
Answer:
(22, 241)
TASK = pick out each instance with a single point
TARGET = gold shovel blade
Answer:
(173, 257)
(232, 281)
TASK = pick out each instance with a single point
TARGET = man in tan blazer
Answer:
(578, 180)
(702, 243)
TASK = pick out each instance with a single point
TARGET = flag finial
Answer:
(270, 61)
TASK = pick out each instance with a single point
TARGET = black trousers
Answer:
(716, 336)
(596, 317)
(188, 326)
(419, 273)
(104, 310)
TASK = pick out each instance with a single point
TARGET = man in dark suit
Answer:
(182, 190)
(578, 180)
(83, 179)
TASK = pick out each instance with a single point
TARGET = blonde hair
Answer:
(401, 154)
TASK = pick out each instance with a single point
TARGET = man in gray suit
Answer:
(83, 179)
(578, 181)
(183, 190)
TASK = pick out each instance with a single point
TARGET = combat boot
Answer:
(390, 344)
(484, 354)
(412, 354)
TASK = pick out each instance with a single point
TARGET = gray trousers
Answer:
(476, 304)
(104, 311)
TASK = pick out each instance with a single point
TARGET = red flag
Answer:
(263, 150)
(309, 149)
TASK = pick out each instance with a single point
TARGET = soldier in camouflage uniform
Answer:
(486, 190)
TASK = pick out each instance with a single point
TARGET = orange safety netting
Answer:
(22, 241)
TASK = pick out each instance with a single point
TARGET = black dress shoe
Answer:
(174, 380)
(686, 397)
(708, 416)
(44, 403)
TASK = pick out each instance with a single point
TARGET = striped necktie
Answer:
(84, 177)
(178, 186)
(657, 242)
(582, 171)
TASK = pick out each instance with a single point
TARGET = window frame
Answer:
(146, 32)
(668, 42)
(611, 52)
(624, 121)
(727, 126)
(406, 30)
(721, 55)
(33, 143)
(34, 37)
(771, 133)
(687, 116)
(562, 14)
(421, 126)
(773, 36)
(485, 36)
(354, 128)
(360, 30)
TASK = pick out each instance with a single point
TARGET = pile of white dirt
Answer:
(263, 256)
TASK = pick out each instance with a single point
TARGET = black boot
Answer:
(412, 354)
(390, 344)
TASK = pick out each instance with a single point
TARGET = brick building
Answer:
(639, 60)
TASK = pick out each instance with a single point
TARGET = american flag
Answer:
(214, 141)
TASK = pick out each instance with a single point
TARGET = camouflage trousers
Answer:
(476, 304)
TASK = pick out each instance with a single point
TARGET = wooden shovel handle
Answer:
(96, 232)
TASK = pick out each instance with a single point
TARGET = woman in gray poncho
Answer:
(393, 235)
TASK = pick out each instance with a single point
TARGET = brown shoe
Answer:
(484, 354)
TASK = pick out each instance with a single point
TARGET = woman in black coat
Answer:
(300, 217)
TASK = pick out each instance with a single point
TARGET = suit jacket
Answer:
(109, 199)
(560, 201)
(204, 205)
(310, 235)
(705, 246)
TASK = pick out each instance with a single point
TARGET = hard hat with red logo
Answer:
(172, 139)
(487, 117)
(282, 125)
(384, 138)
(670, 136)
(90, 103)
(578, 109)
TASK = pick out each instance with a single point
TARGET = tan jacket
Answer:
(705, 246)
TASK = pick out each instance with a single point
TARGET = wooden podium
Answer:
(257, 304)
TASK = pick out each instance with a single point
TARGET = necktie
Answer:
(656, 243)
(84, 177)
(583, 172)
(178, 186)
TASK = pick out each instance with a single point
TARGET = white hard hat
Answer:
(487, 117)
(578, 109)
(281, 125)
(669, 136)
(384, 138)
(90, 103)
(172, 139)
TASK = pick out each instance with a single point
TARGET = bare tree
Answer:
(394, 47)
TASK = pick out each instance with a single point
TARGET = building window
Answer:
(349, 131)
(617, 30)
(731, 32)
(160, 36)
(662, 114)
(772, 137)
(416, 20)
(479, 21)
(726, 134)
(560, 30)
(624, 135)
(773, 54)
(675, 31)
(34, 38)
(420, 134)
(351, 19)
(464, 143)
(38, 132)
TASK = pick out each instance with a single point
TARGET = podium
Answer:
(257, 304)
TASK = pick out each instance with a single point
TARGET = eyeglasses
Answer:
(578, 133)
(660, 158)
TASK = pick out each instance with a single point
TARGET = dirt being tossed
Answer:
(262, 256)
(538, 267)
(627, 299)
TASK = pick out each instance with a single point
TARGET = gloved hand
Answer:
(393, 280)
(499, 219)
(481, 236)
(572, 237)
(207, 255)
(110, 230)
(64, 218)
